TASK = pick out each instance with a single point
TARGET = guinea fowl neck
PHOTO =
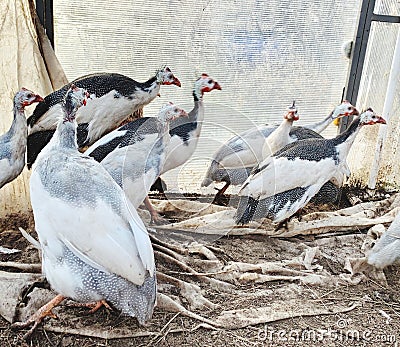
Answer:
(162, 127)
(152, 82)
(19, 121)
(349, 134)
(198, 105)
(66, 129)
(320, 126)
(151, 87)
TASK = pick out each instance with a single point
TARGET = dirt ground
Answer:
(373, 318)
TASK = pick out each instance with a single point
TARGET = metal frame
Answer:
(366, 17)
(44, 10)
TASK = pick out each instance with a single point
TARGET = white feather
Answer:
(281, 174)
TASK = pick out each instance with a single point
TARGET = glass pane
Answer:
(263, 53)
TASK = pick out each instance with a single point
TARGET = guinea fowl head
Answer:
(205, 84)
(165, 76)
(291, 113)
(369, 117)
(26, 97)
(75, 98)
(170, 111)
(345, 109)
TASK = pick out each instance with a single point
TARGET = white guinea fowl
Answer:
(234, 160)
(13, 142)
(386, 250)
(280, 136)
(135, 153)
(95, 247)
(286, 181)
(113, 98)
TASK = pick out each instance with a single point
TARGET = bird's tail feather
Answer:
(246, 208)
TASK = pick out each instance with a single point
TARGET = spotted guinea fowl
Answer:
(113, 98)
(185, 132)
(95, 247)
(285, 182)
(386, 250)
(234, 160)
(13, 142)
(134, 155)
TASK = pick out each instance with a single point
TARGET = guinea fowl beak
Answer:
(38, 98)
(354, 112)
(381, 120)
(217, 86)
(177, 82)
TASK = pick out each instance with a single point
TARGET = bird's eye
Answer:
(175, 110)
(349, 108)
(210, 81)
(29, 95)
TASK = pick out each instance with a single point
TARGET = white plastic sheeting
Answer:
(263, 53)
(21, 65)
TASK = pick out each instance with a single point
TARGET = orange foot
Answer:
(155, 216)
(94, 306)
(39, 315)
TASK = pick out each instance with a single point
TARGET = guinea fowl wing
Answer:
(100, 84)
(299, 164)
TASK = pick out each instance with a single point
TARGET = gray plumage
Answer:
(95, 247)
(246, 147)
(134, 154)
(13, 142)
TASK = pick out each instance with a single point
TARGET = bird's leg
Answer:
(39, 315)
(94, 306)
(218, 197)
(282, 225)
(223, 189)
(298, 214)
(155, 216)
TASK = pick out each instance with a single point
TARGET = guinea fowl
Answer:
(135, 153)
(185, 132)
(386, 250)
(95, 248)
(13, 142)
(234, 160)
(113, 98)
(280, 136)
(285, 182)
